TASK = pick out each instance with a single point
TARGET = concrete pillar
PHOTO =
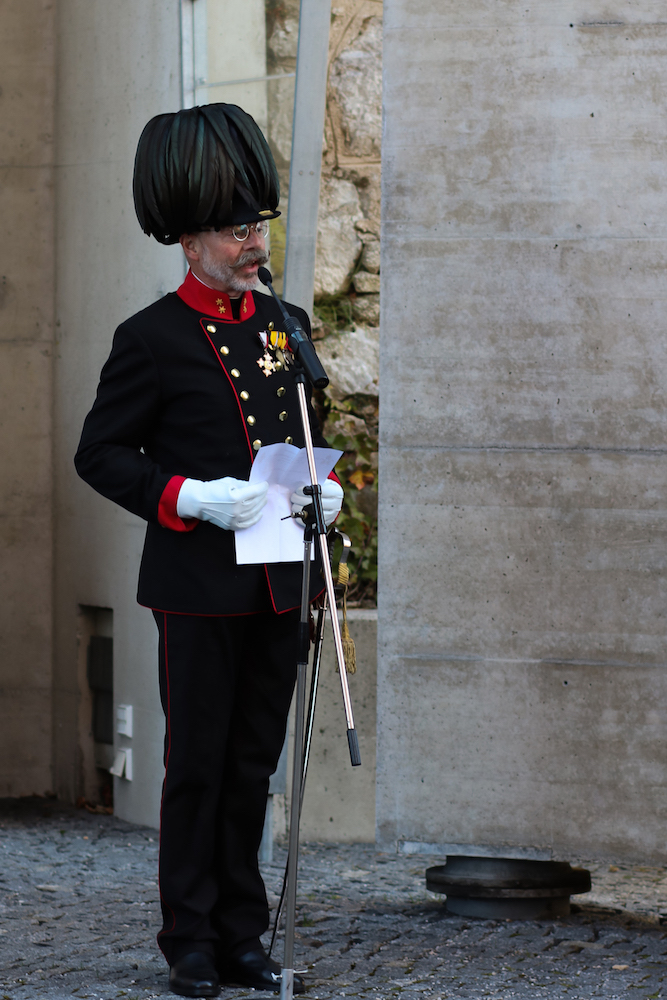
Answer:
(27, 57)
(339, 802)
(119, 64)
(237, 51)
(522, 669)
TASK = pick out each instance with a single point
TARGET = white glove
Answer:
(229, 503)
(332, 500)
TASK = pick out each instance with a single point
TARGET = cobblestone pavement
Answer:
(79, 914)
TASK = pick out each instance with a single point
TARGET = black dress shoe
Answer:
(194, 975)
(256, 969)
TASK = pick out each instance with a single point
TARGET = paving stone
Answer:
(79, 913)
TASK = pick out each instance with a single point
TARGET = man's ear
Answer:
(191, 246)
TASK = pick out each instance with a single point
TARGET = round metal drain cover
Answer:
(505, 887)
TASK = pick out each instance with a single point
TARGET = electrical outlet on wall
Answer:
(122, 765)
(124, 721)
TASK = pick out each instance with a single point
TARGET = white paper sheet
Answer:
(284, 468)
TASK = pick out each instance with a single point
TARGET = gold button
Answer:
(211, 328)
(224, 350)
(251, 420)
(245, 396)
(283, 415)
(257, 444)
(289, 439)
(271, 326)
(281, 391)
(235, 372)
(279, 366)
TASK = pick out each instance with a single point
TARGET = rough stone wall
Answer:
(347, 278)
(348, 258)
(27, 85)
(349, 225)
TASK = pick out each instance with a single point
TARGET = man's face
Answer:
(224, 262)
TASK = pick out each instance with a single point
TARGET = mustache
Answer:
(250, 257)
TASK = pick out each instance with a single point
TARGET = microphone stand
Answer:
(307, 365)
(310, 719)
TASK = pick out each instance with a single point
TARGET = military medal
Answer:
(274, 358)
(267, 364)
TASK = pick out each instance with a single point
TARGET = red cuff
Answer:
(166, 511)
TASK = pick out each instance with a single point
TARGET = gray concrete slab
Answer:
(522, 427)
(339, 803)
(79, 912)
(117, 67)
(27, 56)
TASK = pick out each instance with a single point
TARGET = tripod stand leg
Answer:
(287, 984)
(287, 980)
(314, 682)
(312, 700)
(287, 977)
(352, 740)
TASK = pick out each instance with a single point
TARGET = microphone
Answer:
(298, 339)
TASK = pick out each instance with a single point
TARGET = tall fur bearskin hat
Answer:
(203, 168)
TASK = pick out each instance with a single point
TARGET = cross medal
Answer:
(274, 358)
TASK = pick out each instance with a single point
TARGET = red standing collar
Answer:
(211, 302)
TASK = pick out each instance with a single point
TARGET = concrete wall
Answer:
(522, 664)
(119, 64)
(27, 83)
(117, 69)
(339, 804)
(237, 51)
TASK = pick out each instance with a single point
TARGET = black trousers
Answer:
(226, 684)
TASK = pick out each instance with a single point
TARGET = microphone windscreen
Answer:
(264, 275)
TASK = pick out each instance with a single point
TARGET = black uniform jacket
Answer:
(182, 396)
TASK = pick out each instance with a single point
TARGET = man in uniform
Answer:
(194, 386)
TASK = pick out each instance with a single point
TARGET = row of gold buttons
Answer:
(257, 444)
(245, 396)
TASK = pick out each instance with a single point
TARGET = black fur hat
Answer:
(203, 168)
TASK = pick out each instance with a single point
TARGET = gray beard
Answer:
(226, 273)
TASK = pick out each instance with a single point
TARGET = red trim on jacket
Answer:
(236, 395)
(211, 302)
(166, 766)
(166, 511)
(247, 437)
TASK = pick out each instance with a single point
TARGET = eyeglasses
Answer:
(243, 231)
